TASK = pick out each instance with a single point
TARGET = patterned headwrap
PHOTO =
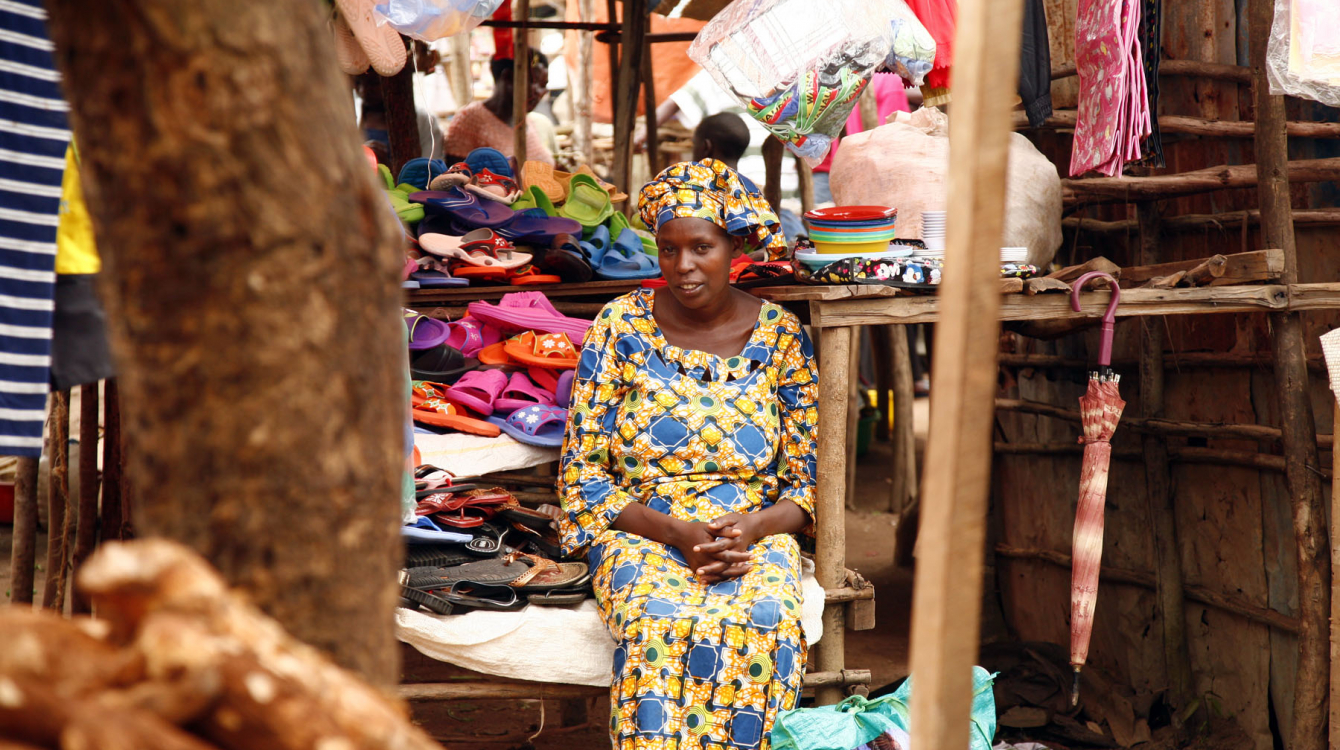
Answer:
(713, 191)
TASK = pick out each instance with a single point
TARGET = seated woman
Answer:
(687, 470)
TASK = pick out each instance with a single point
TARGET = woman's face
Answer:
(695, 257)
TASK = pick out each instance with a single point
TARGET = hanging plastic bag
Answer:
(799, 66)
(857, 722)
(430, 20)
(912, 48)
(1303, 56)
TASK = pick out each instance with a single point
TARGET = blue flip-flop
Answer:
(436, 280)
(538, 425)
(424, 531)
(491, 159)
(596, 247)
(419, 172)
(533, 226)
(626, 261)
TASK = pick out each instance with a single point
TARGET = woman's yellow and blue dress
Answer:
(695, 436)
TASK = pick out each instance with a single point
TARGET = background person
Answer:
(488, 124)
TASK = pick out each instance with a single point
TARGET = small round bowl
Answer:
(852, 213)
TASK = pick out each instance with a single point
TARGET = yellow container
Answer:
(849, 248)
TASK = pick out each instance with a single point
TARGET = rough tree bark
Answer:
(250, 278)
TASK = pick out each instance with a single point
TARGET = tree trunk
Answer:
(250, 279)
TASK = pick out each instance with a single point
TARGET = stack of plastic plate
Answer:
(1014, 255)
(933, 234)
(848, 231)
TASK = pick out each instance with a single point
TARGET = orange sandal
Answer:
(550, 351)
(432, 410)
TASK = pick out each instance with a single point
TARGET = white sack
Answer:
(905, 164)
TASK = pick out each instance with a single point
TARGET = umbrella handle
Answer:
(1109, 317)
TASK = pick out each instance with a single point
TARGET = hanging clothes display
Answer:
(80, 353)
(1113, 105)
(1151, 34)
(1035, 65)
(938, 18)
(33, 138)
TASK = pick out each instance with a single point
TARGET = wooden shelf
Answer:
(462, 294)
(835, 306)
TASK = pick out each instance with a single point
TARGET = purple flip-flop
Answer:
(425, 332)
(437, 280)
(534, 226)
(563, 393)
(541, 426)
(465, 209)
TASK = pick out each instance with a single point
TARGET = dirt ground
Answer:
(574, 725)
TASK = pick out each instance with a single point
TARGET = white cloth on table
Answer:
(569, 646)
(474, 455)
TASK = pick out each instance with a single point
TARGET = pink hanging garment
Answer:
(1113, 101)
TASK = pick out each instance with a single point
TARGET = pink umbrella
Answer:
(1100, 410)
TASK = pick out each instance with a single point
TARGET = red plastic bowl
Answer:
(852, 213)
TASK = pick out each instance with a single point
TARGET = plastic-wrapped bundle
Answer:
(430, 20)
(912, 55)
(1303, 56)
(799, 66)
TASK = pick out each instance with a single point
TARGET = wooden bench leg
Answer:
(834, 377)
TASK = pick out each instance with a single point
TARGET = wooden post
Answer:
(402, 119)
(869, 108)
(86, 532)
(612, 15)
(947, 594)
(904, 488)
(882, 358)
(59, 517)
(805, 175)
(1297, 423)
(649, 105)
(23, 556)
(853, 415)
(772, 171)
(625, 93)
(581, 102)
(111, 514)
(459, 74)
(1169, 606)
(520, 81)
(834, 362)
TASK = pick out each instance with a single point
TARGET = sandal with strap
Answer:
(547, 575)
(485, 247)
(521, 392)
(541, 426)
(550, 351)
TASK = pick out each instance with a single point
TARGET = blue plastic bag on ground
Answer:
(857, 721)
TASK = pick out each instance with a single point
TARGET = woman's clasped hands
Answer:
(718, 550)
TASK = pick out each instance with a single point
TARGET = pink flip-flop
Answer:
(520, 393)
(477, 390)
(528, 311)
(469, 336)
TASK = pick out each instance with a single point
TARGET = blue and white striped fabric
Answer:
(33, 137)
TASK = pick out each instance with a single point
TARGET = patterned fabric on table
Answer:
(694, 436)
(710, 190)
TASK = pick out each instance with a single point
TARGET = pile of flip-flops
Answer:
(471, 223)
(500, 369)
(476, 548)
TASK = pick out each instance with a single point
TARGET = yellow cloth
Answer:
(76, 252)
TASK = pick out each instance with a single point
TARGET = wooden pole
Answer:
(460, 75)
(111, 513)
(86, 532)
(947, 594)
(1335, 600)
(835, 346)
(805, 175)
(625, 93)
(772, 171)
(402, 119)
(1169, 606)
(59, 517)
(1297, 422)
(649, 105)
(23, 556)
(520, 81)
(582, 99)
(869, 108)
(612, 15)
(853, 414)
(904, 429)
(1065, 119)
(1162, 427)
